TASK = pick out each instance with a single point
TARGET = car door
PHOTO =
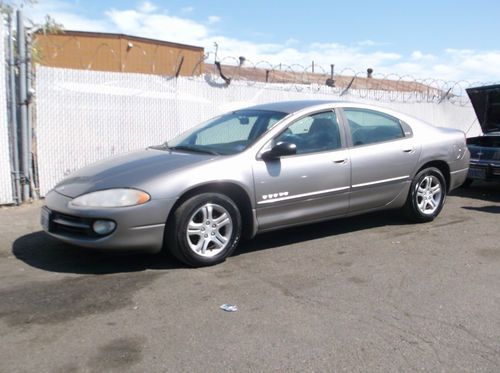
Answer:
(307, 186)
(383, 156)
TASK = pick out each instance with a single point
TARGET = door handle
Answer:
(340, 161)
(408, 150)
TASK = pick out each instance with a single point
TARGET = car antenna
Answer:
(470, 127)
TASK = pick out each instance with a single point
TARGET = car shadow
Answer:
(488, 209)
(315, 231)
(41, 251)
(479, 190)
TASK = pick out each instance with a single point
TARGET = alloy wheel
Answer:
(429, 194)
(209, 230)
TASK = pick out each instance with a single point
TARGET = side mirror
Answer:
(281, 149)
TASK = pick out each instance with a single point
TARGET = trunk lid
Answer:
(486, 103)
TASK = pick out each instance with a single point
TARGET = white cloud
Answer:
(149, 20)
(419, 56)
(213, 19)
(370, 43)
(65, 14)
(157, 26)
(483, 64)
(126, 19)
(147, 7)
(291, 41)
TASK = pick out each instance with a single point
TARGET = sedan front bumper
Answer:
(139, 227)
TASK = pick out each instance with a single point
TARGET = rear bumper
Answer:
(138, 228)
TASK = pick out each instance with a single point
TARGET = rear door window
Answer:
(369, 126)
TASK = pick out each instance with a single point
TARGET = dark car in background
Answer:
(485, 149)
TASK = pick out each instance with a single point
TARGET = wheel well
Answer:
(233, 191)
(443, 167)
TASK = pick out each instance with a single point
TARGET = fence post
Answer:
(13, 113)
(23, 109)
(30, 99)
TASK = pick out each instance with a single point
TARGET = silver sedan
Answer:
(254, 170)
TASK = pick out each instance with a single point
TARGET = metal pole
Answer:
(29, 74)
(13, 113)
(23, 99)
(348, 86)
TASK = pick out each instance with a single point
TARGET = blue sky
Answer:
(448, 40)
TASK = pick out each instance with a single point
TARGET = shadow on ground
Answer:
(479, 190)
(319, 230)
(41, 251)
(487, 209)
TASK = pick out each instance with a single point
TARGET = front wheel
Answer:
(204, 230)
(427, 195)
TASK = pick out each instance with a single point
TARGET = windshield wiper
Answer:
(193, 149)
(163, 146)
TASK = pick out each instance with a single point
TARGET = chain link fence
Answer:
(5, 148)
(81, 116)
(84, 116)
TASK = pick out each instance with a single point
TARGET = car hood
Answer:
(486, 103)
(130, 170)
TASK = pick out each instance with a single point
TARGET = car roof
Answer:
(291, 106)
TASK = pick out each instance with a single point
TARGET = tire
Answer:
(204, 230)
(427, 195)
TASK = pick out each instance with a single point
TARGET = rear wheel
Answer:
(204, 230)
(427, 195)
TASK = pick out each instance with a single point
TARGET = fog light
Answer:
(103, 227)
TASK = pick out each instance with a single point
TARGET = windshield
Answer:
(228, 134)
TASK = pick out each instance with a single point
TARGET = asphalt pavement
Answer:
(363, 294)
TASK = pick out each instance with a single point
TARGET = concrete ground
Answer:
(369, 293)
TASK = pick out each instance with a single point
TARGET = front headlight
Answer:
(111, 198)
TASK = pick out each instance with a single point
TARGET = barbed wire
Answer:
(367, 84)
(315, 77)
